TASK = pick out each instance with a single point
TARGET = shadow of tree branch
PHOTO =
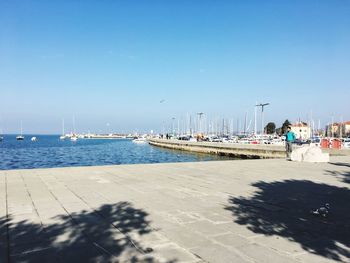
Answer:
(107, 234)
(342, 175)
(282, 208)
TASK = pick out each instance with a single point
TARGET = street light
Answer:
(262, 105)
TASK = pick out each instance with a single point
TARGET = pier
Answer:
(218, 211)
(243, 151)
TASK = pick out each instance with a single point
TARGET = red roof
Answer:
(299, 124)
(339, 123)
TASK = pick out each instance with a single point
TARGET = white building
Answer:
(347, 128)
(301, 130)
(339, 129)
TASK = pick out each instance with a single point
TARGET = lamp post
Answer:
(255, 119)
(262, 105)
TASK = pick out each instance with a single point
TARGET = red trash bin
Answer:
(336, 144)
(324, 143)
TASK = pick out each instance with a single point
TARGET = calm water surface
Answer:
(49, 151)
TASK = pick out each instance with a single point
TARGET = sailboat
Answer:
(20, 137)
(74, 137)
(1, 136)
(62, 137)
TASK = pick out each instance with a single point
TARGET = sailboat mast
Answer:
(62, 126)
(74, 124)
(245, 123)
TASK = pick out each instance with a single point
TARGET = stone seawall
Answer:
(234, 150)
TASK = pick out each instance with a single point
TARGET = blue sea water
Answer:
(49, 151)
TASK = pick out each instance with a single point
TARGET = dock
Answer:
(217, 211)
(243, 151)
(235, 150)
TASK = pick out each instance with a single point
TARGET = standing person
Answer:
(290, 138)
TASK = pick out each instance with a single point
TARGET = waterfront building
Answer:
(347, 128)
(301, 130)
(341, 129)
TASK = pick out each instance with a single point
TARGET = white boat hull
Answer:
(139, 141)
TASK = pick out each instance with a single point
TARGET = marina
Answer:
(49, 151)
(174, 131)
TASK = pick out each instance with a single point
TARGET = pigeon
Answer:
(148, 250)
(322, 211)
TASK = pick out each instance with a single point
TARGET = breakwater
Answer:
(244, 151)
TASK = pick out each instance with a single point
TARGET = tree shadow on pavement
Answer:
(341, 164)
(342, 175)
(111, 233)
(282, 208)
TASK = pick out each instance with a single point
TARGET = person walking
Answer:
(290, 138)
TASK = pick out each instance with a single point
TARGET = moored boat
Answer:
(139, 140)
(63, 136)
(20, 137)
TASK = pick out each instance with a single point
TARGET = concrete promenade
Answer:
(219, 211)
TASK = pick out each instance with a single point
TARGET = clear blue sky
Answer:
(113, 61)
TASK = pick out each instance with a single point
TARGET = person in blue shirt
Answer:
(290, 138)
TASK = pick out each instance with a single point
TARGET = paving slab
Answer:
(186, 238)
(216, 253)
(232, 240)
(264, 255)
(172, 251)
